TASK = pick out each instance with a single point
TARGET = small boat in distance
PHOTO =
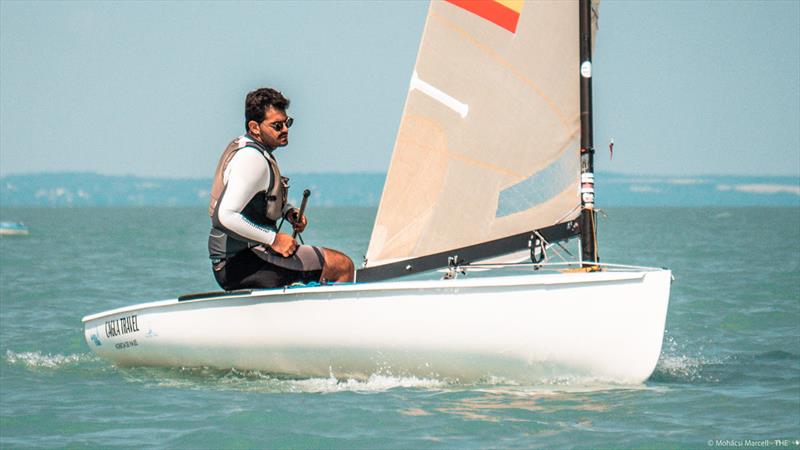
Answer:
(13, 229)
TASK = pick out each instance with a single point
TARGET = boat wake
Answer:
(375, 383)
(256, 381)
(204, 377)
(39, 360)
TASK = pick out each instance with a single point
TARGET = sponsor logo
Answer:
(586, 69)
(126, 344)
(123, 325)
(96, 340)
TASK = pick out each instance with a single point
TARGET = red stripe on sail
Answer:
(492, 11)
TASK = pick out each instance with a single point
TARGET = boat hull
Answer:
(13, 229)
(602, 326)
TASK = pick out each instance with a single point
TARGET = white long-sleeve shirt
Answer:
(246, 175)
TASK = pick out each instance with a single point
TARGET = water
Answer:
(729, 369)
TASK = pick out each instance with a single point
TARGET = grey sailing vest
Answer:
(265, 208)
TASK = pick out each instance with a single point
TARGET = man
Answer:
(248, 198)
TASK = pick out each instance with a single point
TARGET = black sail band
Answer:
(555, 233)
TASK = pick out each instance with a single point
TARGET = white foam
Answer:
(643, 188)
(686, 181)
(46, 360)
(763, 188)
(375, 383)
(255, 381)
(674, 362)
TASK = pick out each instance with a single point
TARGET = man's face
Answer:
(272, 131)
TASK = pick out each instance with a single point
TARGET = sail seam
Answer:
(459, 156)
(422, 217)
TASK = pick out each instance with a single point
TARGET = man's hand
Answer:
(298, 222)
(284, 245)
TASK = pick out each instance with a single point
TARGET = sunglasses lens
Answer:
(278, 126)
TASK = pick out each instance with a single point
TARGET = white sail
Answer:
(488, 145)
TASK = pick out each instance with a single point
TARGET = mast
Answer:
(588, 216)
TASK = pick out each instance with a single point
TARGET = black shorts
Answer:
(260, 267)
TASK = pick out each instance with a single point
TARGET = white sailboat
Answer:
(13, 229)
(493, 160)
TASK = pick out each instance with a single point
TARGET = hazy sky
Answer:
(157, 88)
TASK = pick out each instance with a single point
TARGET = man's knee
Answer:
(338, 265)
(343, 263)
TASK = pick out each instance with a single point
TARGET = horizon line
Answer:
(383, 173)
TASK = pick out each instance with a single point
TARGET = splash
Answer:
(39, 360)
(675, 365)
(678, 368)
(375, 383)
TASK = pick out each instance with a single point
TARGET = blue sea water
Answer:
(728, 376)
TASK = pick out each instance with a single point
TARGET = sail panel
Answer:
(488, 144)
(504, 13)
(539, 187)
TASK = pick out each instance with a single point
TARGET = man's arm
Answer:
(247, 173)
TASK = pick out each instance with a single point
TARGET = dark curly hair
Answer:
(259, 101)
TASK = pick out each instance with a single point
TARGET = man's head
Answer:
(265, 117)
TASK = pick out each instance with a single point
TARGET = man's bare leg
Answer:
(338, 266)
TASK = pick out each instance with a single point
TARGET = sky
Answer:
(156, 89)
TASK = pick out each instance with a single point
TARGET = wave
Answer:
(777, 355)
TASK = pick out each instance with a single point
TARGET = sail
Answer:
(488, 144)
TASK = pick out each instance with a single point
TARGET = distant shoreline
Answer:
(69, 189)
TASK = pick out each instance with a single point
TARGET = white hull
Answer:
(600, 325)
(14, 232)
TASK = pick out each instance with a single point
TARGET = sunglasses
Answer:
(278, 126)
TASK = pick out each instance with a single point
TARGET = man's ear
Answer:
(252, 127)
